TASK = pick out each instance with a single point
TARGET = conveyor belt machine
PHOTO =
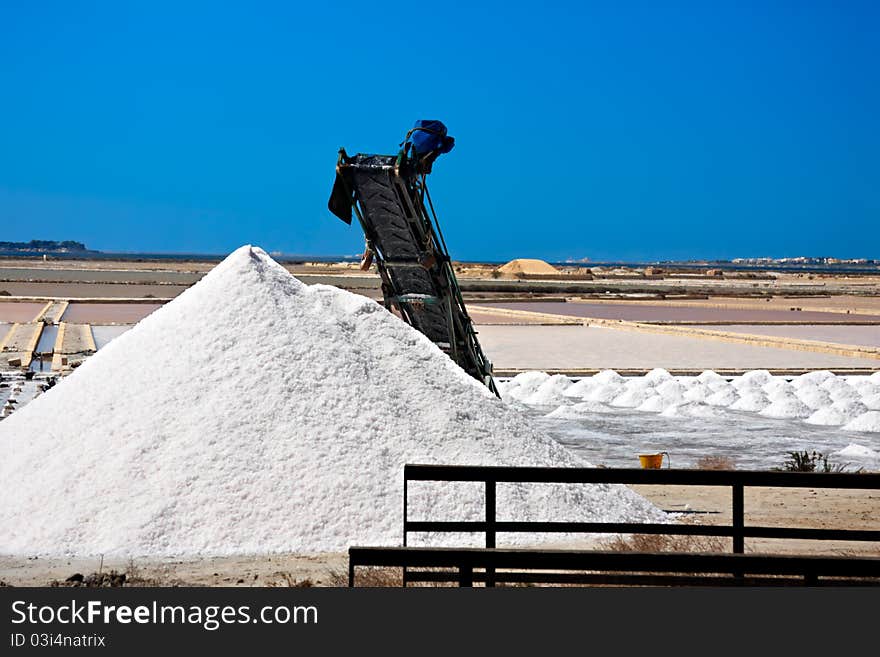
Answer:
(389, 196)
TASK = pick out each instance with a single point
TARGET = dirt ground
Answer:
(779, 507)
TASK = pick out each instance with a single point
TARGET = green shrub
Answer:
(810, 462)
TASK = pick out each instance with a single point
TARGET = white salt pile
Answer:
(814, 396)
(577, 411)
(653, 404)
(787, 407)
(753, 379)
(723, 397)
(698, 393)
(634, 393)
(813, 378)
(872, 402)
(837, 413)
(869, 421)
(858, 451)
(752, 401)
(524, 385)
(550, 392)
(290, 437)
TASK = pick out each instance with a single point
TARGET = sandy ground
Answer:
(324, 569)
(591, 347)
(777, 507)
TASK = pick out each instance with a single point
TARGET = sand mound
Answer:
(256, 414)
(528, 267)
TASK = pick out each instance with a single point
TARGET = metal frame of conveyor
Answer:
(391, 200)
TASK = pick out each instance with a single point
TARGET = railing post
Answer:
(738, 519)
(738, 526)
(465, 575)
(350, 573)
(490, 527)
(405, 506)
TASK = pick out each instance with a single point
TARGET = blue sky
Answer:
(614, 130)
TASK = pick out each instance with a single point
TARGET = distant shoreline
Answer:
(692, 265)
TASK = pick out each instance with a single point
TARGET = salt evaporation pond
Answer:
(609, 419)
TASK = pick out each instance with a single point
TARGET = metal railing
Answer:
(737, 480)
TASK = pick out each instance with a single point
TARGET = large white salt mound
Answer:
(550, 392)
(869, 421)
(254, 414)
(787, 407)
(875, 378)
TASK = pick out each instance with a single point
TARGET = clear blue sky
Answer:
(613, 130)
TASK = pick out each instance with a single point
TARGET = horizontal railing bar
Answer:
(514, 474)
(476, 526)
(617, 579)
(534, 527)
(757, 564)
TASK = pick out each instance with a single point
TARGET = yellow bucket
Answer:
(653, 461)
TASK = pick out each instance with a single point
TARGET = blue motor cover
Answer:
(429, 135)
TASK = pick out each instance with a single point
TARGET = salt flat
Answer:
(866, 336)
(583, 347)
